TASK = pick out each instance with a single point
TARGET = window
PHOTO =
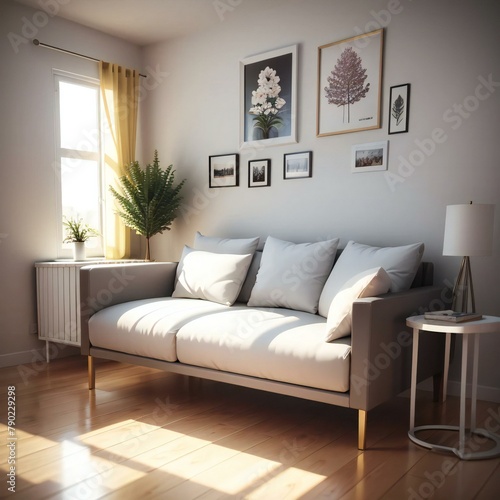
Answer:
(78, 156)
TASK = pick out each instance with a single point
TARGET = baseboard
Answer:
(36, 357)
(484, 392)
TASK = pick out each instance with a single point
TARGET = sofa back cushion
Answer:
(241, 246)
(400, 263)
(292, 275)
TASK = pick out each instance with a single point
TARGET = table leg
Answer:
(474, 383)
(413, 389)
(463, 393)
(446, 364)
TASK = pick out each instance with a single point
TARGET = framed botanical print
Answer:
(268, 93)
(349, 84)
(399, 109)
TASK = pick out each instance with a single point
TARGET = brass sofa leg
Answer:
(362, 417)
(91, 370)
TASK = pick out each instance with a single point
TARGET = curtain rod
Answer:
(41, 44)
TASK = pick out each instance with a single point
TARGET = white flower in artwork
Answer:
(268, 76)
(279, 103)
(266, 103)
(258, 97)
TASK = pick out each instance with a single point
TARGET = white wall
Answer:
(443, 48)
(27, 177)
(191, 111)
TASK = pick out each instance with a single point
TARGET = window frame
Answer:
(65, 250)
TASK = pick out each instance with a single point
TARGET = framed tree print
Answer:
(399, 109)
(349, 84)
(259, 173)
(223, 171)
(297, 165)
(268, 90)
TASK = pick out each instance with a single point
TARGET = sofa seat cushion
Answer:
(146, 327)
(272, 343)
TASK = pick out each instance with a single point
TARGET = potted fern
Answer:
(77, 232)
(150, 200)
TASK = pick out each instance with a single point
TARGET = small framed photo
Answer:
(223, 171)
(297, 165)
(259, 173)
(370, 156)
(399, 109)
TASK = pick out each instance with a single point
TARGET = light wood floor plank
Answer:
(260, 463)
(148, 434)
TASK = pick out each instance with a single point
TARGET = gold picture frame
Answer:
(350, 103)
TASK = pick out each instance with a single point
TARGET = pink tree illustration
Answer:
(346, 83)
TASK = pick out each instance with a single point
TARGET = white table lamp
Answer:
(468, 233)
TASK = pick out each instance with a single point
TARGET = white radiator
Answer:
(58, 300)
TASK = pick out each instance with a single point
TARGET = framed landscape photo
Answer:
(370, 156)
(297, 165)
(350, 84)
(259, 173)
(399, 108)
(268, 94)
(223, 170)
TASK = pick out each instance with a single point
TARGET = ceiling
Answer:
(144, 22)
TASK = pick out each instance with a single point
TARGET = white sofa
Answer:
(281, 319)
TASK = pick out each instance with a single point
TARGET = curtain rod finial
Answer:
(36, 41)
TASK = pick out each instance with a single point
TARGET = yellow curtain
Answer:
(119, 92)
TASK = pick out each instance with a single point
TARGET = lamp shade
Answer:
(468, 230)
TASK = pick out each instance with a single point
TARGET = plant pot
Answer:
(79, 250)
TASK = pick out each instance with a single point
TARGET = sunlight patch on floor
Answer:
(292, 481)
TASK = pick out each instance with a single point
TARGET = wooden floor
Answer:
(148, 434)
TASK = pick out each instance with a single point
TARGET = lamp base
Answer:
(463, 291)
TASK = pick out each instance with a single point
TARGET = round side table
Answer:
(467, 329)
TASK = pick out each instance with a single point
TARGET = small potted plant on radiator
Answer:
(77, 232)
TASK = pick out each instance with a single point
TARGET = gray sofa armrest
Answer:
(104, 285)
(381, 345)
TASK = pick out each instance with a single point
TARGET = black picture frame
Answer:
(399, 112)
(223, 170)
(297, 165)
(259, 173)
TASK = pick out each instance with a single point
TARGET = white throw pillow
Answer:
(211, 276)
(400, 263)
(292, 275)
(241, 246)
(365, 284)
(249, 283)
